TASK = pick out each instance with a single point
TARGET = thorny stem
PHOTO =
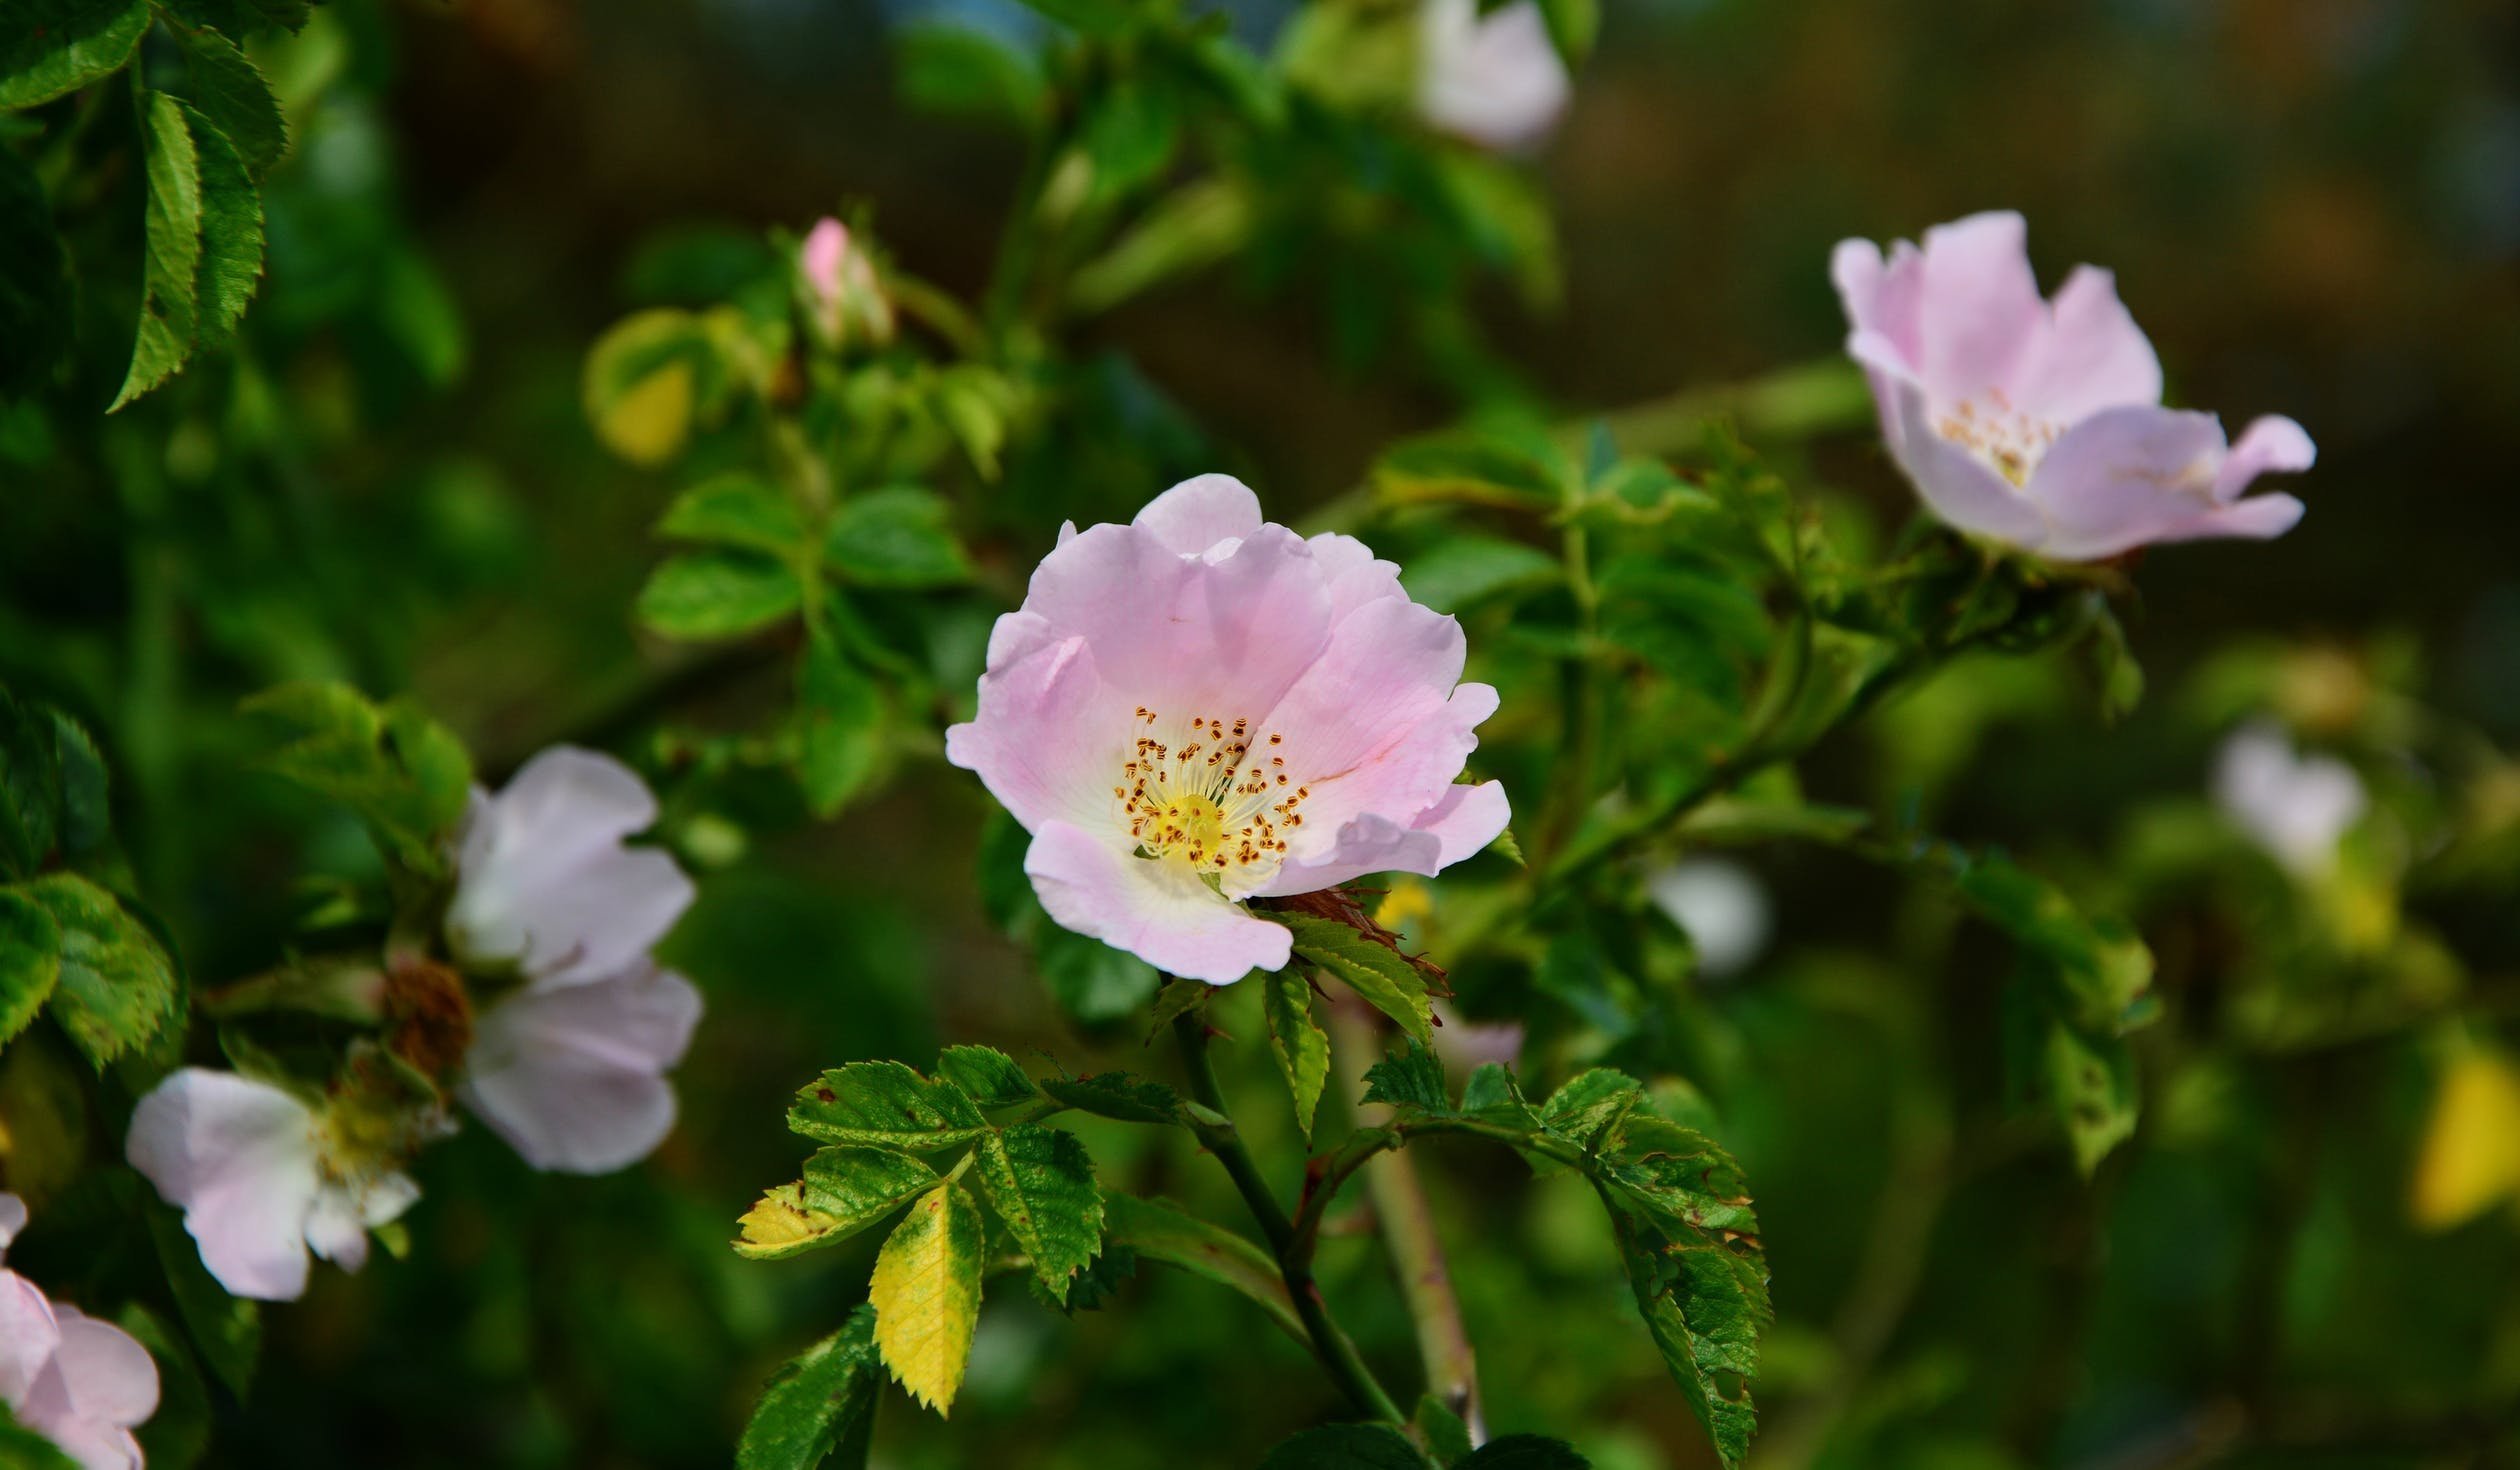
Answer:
(1339, 1357)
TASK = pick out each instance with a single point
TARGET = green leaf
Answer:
(1446, 1437)
(1525, 1452)
(987, 1076)
(885, 1104)
(30, 785)
(231, 235)
(225, 1330)
(1591, 1103)
(1679, 1176)
(959, 71)
(2102, 967)
(177, 1434)
(718, 594)
(735, 509)
(1094, 981)
(405, 775)
(840, 713)
(240, 17)
(1572, 26)
(2091, 1084)
(896, 537)
(30, 960)
(1705, 1303)
(647, 380)
(1461, 572)
(1041, 1183)
(116, 988)
(1120, 1095)
(87, 813)
(232, 95)
(1493, 1095)
(844, 1190)
(170, 278)
(926, 1295)
(1412, 1078)
(1373, 970)
(1345, 1447)
(35, 299)
(49, 48)
(1297, 1041)
(819, 1405)
(1519, 471)
(1157, 1231)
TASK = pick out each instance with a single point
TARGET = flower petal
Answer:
(1158, 911)
(1496, 78)
(2126, 477)
(1354, 574)
(574, 1078)
(1049, 734)
(1963, 491)
(1196, 514)
(1980, 306)
(1461, 823)
(2270, 445)
(29, 1335)
(111, 1378)
(2090, 356)
(239, 1158)
(1883, 300)
(1466, 820)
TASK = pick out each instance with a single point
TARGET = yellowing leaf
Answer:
(2470, 1157)
(648, 423)
(781, 1223)
(926, 1293)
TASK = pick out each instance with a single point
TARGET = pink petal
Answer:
(2270, 445)
(239, 1158)
(574, 1078)
(2125, 477)
(1049, 736)
(29, 1335)
(1466, 820)
(826, 245)
(2090, 356)
(1963, 491)
(1200, 512)
(1354, 574)
(1158, 911)
(1459, 825)
(111, 1378)
(1980, 308)
(1495, 79)
(1882, 301)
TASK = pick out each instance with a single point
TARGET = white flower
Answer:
(76, 1381)
(543, 880)
(2296, 807)
(573, 1076)
(261, 1177)
(1722, 906)
(1494, 79)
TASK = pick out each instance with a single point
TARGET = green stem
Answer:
(1339, 1357)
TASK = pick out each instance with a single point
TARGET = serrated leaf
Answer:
(1411, 1078)
(231, 235)
(1590, 1103)
(230, 92)
(819, 1407)
(171, 269)
(1446, 1437)
(735, 509)
(1679, 1176)
(405, 775)
(1705, 1303)
(49, 48)
(844, 1190)
(718, 594)
(1385, 979)
(901, 536)
(225, 1330)
(30, 785)
(116, 987)
(1297, 1041)
(1525, 1452)
(1345, 1447)
(1492, 1094)
(926, 1295)
(30, 960)
(840, 714)
(87, 814)
(1121, 1095)
(1157, 1231)
(987, 1076)
(887, 1105)
(1041, 1183)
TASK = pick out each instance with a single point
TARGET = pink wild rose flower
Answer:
(1201, 708)
(570, 1068)
(81, 1383)
(2036, 423)
(1494, 79)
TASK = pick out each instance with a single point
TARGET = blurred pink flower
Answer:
(2039, 423)
(573, 1076)
(544, 882)
(1200, 708)
(2298, 808)
(570, 1069)
(81, 1383)
(1494, 79)
(845, 298)
(262, 1176)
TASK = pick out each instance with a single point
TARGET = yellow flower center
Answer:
(1216, 798)
(2008, 440)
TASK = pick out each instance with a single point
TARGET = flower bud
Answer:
(844, 298)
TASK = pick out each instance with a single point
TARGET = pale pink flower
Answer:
(2039, 423)
(262, 1176)
(845, 298)
(2298, 808)
(1494, 79)
(573, 1076)
(81, 1383)
(570, 1070)
(1200, 708)
(544, 882)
